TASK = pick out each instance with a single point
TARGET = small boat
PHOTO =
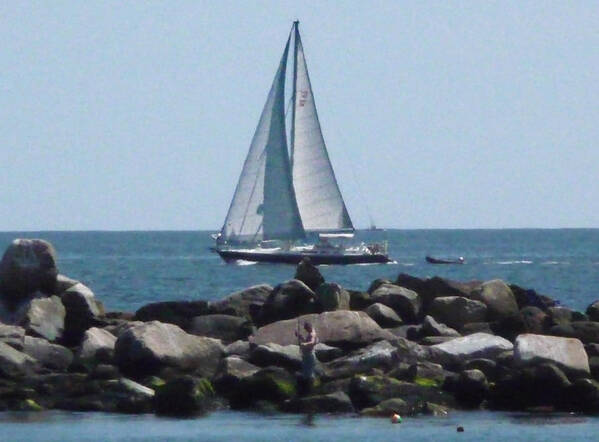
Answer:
(287, 204)
(432, 260)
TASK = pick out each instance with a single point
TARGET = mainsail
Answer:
(319, 200)
(264, 205)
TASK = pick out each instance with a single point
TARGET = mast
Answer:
(294, 90)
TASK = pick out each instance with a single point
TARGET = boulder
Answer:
(231, 370)
(430, 327)
(152, 346)
(286, 356)
(456, 311)
(487, 366)
(377, 355)
(82, 312)
(593, 311)
(63, 283)
(341, 328)
(119, 327)
(272, 384)
(338, 402)
(12, 335)
(27, 266)
(581, 395)
(528, 320)
(287, 300)
(377, 283)
(308, 273)
(566, 353)
(426, 373)
(586, 331)
(476, 327)
(53, 356)
(238, 348)
(45, 318)
(96, 342)
(389, 407)
(246, 303)
(15, 364)
(332, 296)
(326, 353)
(183, 396)
(471, 387)
(477, 345)
(405, 302)
(224, 327)
(564, 315)
(358, 300)
(179, 313)
(498, 298)
(436, 287)
(383, 315)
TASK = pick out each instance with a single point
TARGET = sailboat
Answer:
(287, 204)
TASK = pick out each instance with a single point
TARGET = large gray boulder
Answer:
(54, 356)
(82, 311)
(227, 328)
(455, 311)
(341, 328)
(288, 300)
(405, 302)
(246, 303)
(498, 298)
(566, 353)
(45, 318)
(332, 296)
(148, 348)
(96, 342)
(477, 345)
(383, 315)
(287, 356)
(15, 364)
(27, 266)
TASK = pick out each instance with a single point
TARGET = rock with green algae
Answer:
(184, 396)
(272, 384)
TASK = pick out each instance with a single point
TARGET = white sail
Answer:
(318, 197)
(264, 205)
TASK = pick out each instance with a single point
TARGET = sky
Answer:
(138, 115)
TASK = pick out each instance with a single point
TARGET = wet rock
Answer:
(224, 327)
(308, 273)
(179, 313)
(97, 342)
(15, 364)
(286, 356)
(12, 335)
(387, 407)
(567, 354)
(471, 388)
(184, 396)
(341, 328)
(82, 312)
(53, 356)
(246, 303)
(477, 345)
(383, 315)
(456, 311)
(337, 402)
(27, 266)
(427, 373)
(287, 300)
(582, 395)
(405, 302)
(332, 296)
(271, 384)
(152, 346)
(498, 298)
(45, 318)
(430, 327)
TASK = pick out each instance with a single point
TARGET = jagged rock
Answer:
(238, 348)
(477, 345)
(341, 328)
(383, 315)
(332, 296)
(12, 335)
(224, 327)
(286, 356)
(326, 353)
(405, 302)
(15, 364)
(456, 311)
(568, 354)
(308, 273)
(246, 303)
(28, 265)
(498, 298)
(179, 313)
(337, 402)
(586, 331)
(593, 311)
(45, 318)
(430, 327)
(377, 355)
(287, 300)
(272, 384)
(53, 356)
(183, 396)
(96, 341)
(82, 311)
(471, 387)
(147, 348)
(232, 369)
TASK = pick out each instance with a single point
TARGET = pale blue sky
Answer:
(138, 115)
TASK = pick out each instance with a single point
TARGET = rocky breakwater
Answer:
(407, 345)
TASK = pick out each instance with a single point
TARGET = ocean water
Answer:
(129, 269)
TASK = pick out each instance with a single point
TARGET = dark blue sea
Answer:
(129, 269)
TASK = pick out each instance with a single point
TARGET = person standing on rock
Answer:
(307, 344)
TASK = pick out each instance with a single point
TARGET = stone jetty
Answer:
(408, 346)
